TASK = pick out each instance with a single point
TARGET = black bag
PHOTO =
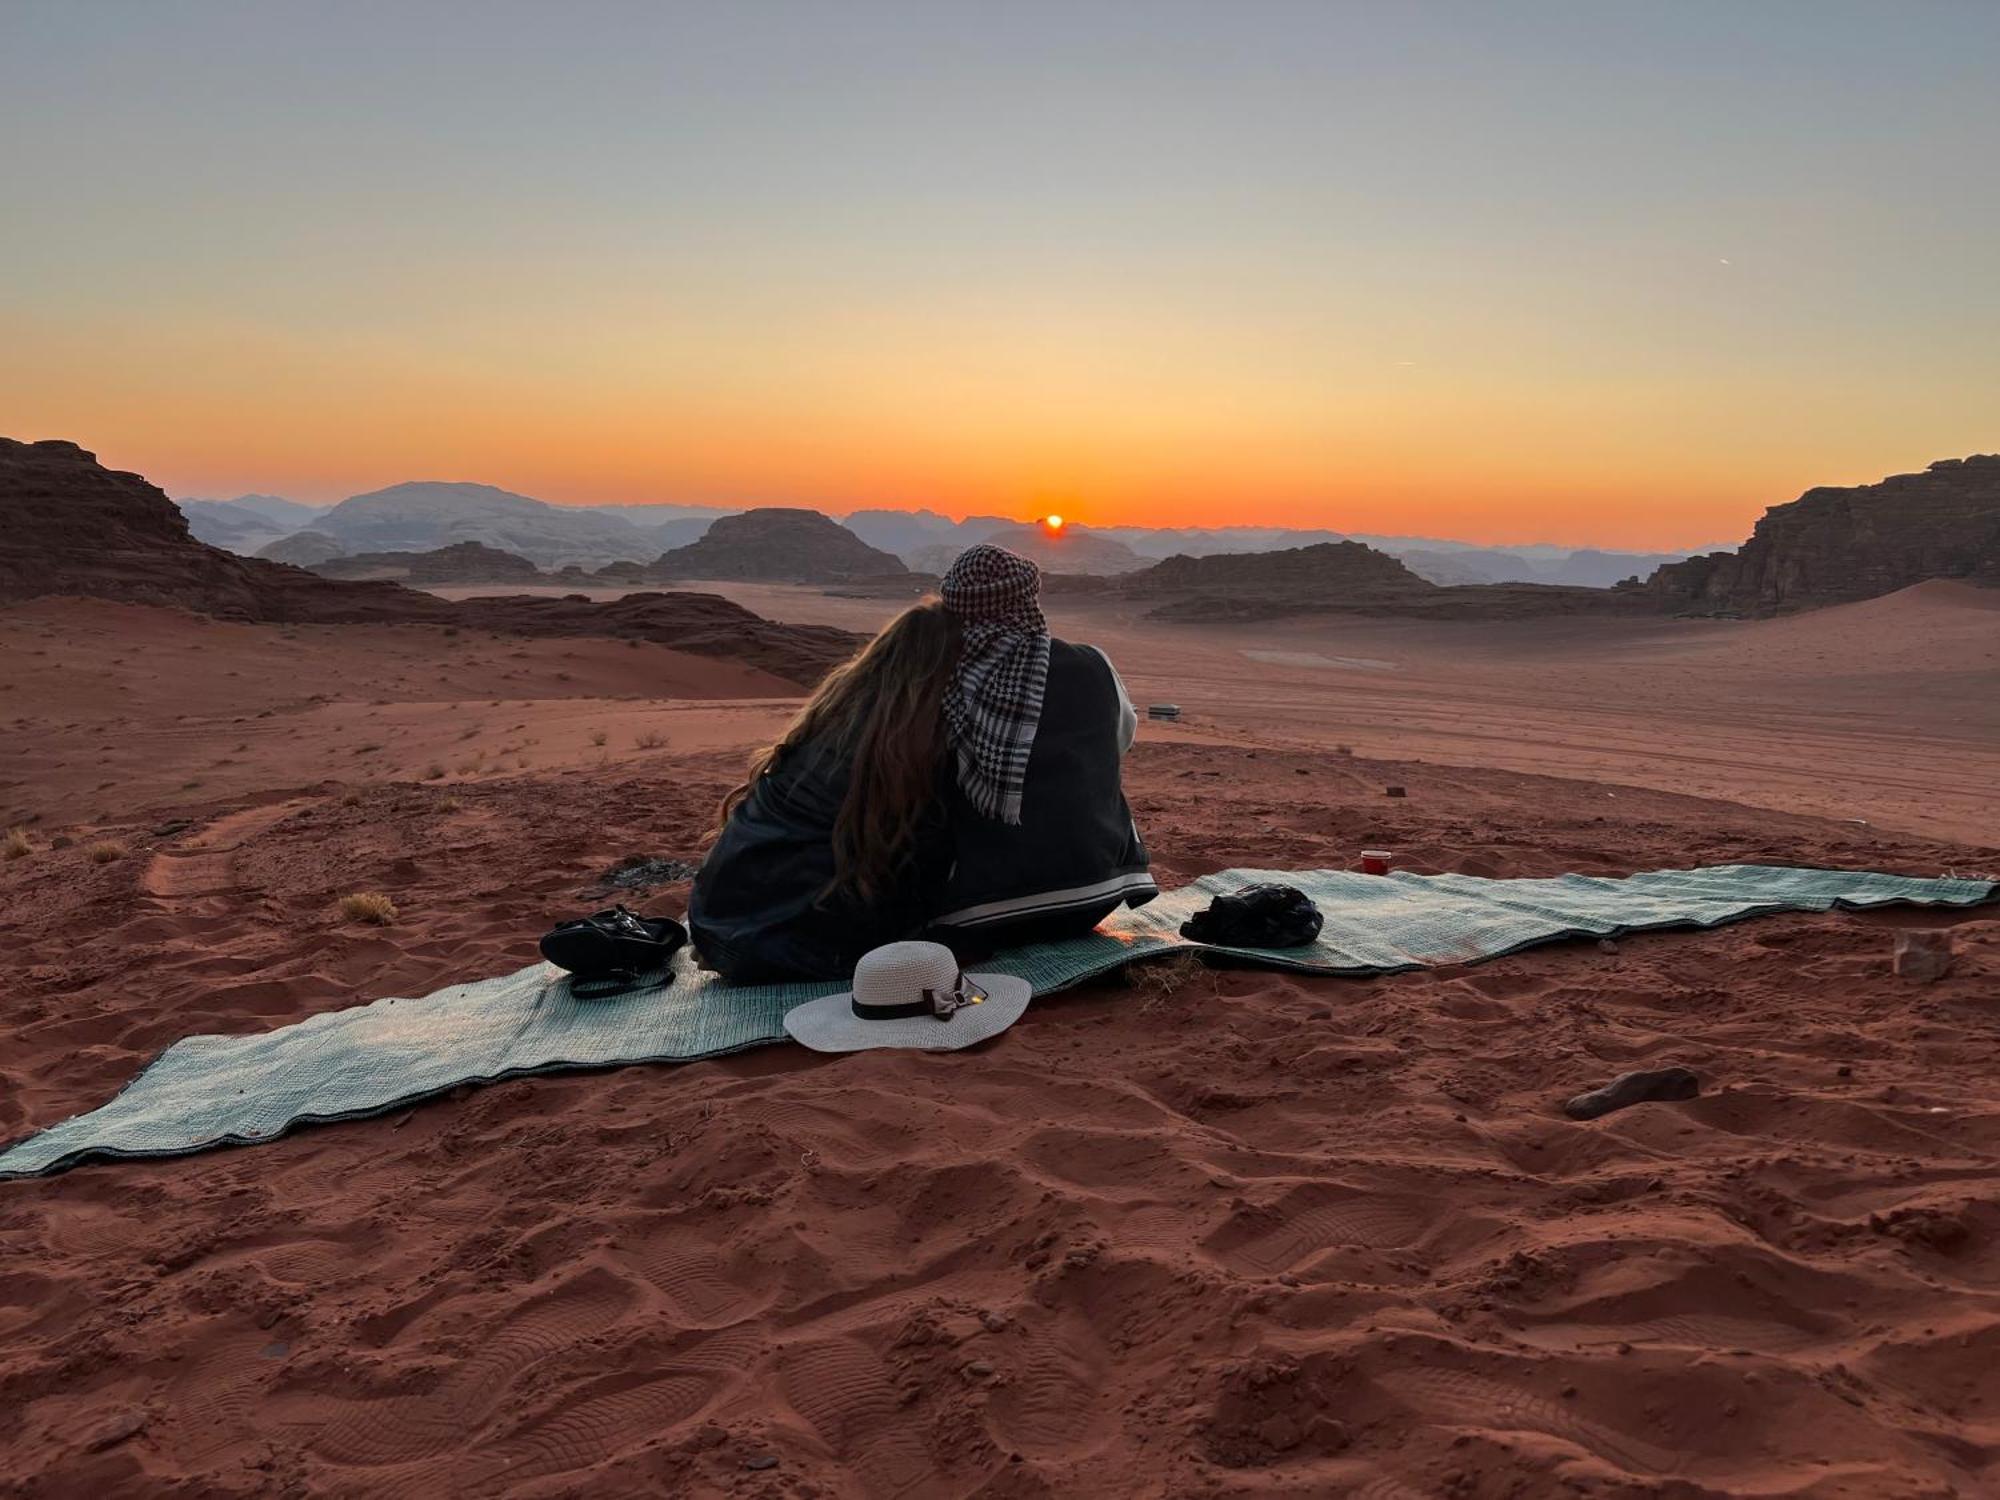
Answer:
(1258, 916)
(608, 951)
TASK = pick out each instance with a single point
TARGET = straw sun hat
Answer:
(911, 995)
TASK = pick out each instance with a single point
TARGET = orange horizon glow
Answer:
(213, 410)
(231, 440)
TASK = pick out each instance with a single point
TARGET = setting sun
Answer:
(1052, 524)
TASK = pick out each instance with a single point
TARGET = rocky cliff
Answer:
(70, 526)
(776, 544)
(1834, 545)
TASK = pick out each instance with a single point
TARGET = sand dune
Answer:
(1194, 1232)
(121, 708)
(1887, 711)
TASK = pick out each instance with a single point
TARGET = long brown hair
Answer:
(885, 707)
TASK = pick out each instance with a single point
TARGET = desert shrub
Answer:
(17, 845)
(598, 737)
(434, 772)
(105, 851)
(450, 805)
(368, 906)
(650, 740)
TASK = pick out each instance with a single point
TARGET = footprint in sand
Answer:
(1053, 1403)
(844, 1392)
(1465, 1398)
(413, 1428)
(204, 863)
(1312, 1218)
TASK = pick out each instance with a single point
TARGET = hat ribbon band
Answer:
(941, 1004)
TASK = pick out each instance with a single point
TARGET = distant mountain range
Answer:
(424, 516)
(1833, 545)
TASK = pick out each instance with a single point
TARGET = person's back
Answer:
(766, 904)
(1076, 854)
(834, 844)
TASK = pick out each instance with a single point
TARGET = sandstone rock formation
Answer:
(1330, 569)
(70, 526)
(303, 549)
(1834, 545)
(776, 544)
(463, 562)
(1345, 578)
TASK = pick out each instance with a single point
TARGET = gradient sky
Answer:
(1606, 273)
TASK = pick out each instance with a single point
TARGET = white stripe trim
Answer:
(1048, 901)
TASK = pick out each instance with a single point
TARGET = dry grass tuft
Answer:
(451, 805)
(598, 737)
(17, 845)
(352, 799)
(1156, 981)
(368, 906)
(435, 772)
(650, 740)
(105, 852)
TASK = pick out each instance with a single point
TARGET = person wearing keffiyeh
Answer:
(994, 701)
(960, 777)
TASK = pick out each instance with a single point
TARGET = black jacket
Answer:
(1076, 854)
(758, 912)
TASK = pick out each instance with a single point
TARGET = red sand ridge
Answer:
(1835, 545)
(72, 526)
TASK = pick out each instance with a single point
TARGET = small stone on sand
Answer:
(111, 1433)
(1923, 956)
(1634, 1088)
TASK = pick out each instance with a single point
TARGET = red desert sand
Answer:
(1184, 1232)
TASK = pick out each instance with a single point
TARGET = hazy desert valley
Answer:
(1184, 1231)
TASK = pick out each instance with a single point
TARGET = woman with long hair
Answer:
(959, 776)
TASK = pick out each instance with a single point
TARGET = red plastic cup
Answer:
(1375, 861)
